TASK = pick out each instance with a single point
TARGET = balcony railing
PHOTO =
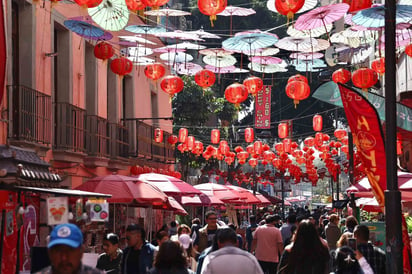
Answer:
(97, 136)
(31, 113)
(142, 144)
(69, 127)
(118, 140)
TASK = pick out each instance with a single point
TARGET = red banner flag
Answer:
(367, 135)
(263, 108)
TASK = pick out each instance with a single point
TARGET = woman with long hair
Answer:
(170, 260)
(306, 254)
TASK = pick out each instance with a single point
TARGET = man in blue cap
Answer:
(65, 250)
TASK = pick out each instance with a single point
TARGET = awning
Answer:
(62, 191)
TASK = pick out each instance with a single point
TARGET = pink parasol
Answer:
(296, 43)
(237, 11)
(248, 198)
(222, 70)
(168, 184)
(220, 191)
(168, 50)
(177, 34)
(216, 52)
(267, 60)
(321, 16)
(306, 55)
(187, 69)
(204, 34)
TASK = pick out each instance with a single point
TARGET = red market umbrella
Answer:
(263, 199)
(219, 191)
(248, 198)
(172, 205)
(168, 184)
(404, 181)
(124, 189)
(201, 200)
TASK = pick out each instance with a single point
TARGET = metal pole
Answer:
(283, 195)
(394, 245)
(254, 188)
(351, 159)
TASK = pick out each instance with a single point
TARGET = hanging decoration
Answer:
(121, 66)
(297, 90)
(289, 7)
(236, 94)
(283, 130)
(341, 76)
(205, 78)
(249, 135)
(408, 50)
(298, 77)
(211, 8)
(158, 135)
(154, 71)
(364, 78)
(172, 84)
(103, 50)
(155, 4)
(172, 139)
(183, 133)
(215, 136)
(317, 122)
(135, 5)
(88, 3)
(253, 85)
(378, 66)
(357, 5)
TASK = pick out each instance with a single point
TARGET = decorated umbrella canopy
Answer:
(306, 55)
(203, 34)
(187, 68)
(141, 61)
(201, 200)
(250, 41)
(124, 189)
(221, 70)
(237, 11)
(375, 17)
(219, 191)
(321, 16)
(136, 51)
(341, 38)
(168, 50)
(311, 33)
(261, 52)
(136, 39)
(166, 12)
(176, 57)
(267, 60)
(111, 15)
(169, 185)
(368, 204)
(310, 65)
(84, 29)
(216, 52)
(219, 61)
(321, 44)
(181, 35)
(263, 199)
(145, 29)
(309, 4)
(187, 46)
(262, 68)
(296, 43)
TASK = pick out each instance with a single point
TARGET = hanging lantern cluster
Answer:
(236, 94)
(364, 78)
(121, 66)
(341, 76)
(154, 71)
(297, 88)
(211, 8)
(253, 85)
(103, 50)
(172, 84)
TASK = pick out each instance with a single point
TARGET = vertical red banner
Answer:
(368, 137)
(263, 108)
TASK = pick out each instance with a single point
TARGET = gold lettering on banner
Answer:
(362, 122)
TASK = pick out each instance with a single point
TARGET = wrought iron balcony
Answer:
(31, 113)
(97, 136)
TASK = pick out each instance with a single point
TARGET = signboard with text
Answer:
(263, 108)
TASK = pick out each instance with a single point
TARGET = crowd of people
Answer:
(300, 244)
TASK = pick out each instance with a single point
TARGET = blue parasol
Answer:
(310, 65)
(145, 29)
(375, 17)
(250, 41)
(85, 30)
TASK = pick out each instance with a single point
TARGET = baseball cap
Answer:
(185, 240)
(66, 234)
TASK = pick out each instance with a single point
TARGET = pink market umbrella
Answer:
(368, 204)
(404, 181)
(201, 200)
(321, 16)
(236, 11)
(124, 189)
(168, 184)
(172, 205)
(248, 198)
(220, 191)
(263, 199)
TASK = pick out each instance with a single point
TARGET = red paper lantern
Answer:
(340, 133)
(317, 122)
(283, 130)
(408, 50)
(309, 141)
(249, 135)
(398, 147)
(158, 135)
(297, 90)
(364, 78)
(253, 162)
(211, 8)
(298, 77)
(215, 136)
(88, 3)
(356, 5)
(154, 71)
(236, 93)
(172, 139)
(288, 7)
(154, 4)
(135, 5)
(257, 147)
(190, 142)
(378, 65)
(183, 132)
(268, 155)
(341, 76)
(172, 84)
(205, 78)
(286, 145)
(121, 66)
(103, 50)
(319, 139)
(253, 85)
